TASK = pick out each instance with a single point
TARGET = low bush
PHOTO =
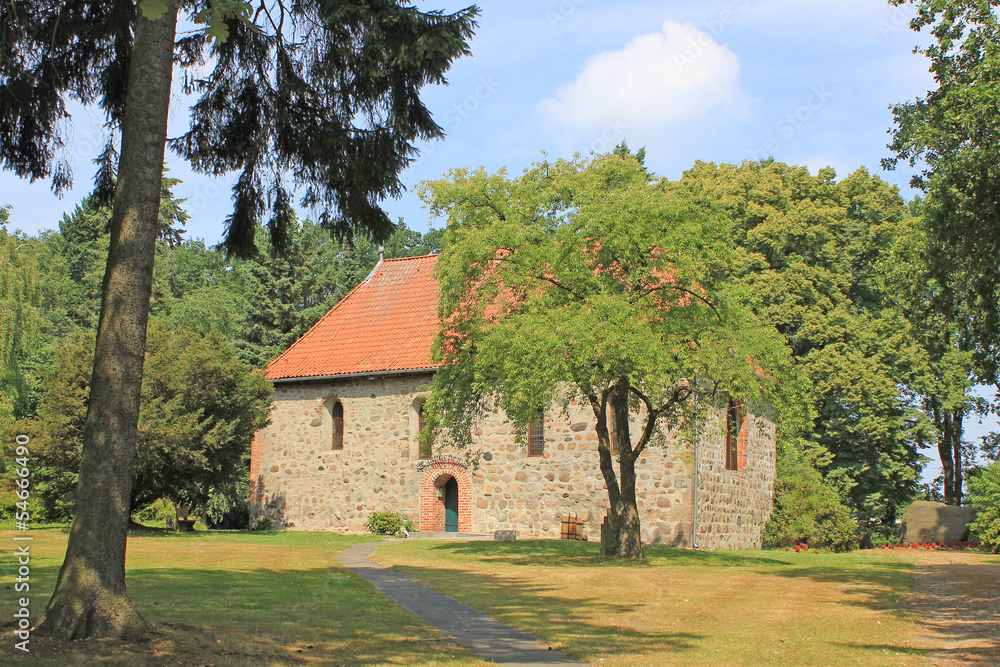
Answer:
(155, 513)
(984, 496)
(261, 523)
(881, 535)
(808, 511)
(387, 523)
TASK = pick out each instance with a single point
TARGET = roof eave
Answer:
(341, 376)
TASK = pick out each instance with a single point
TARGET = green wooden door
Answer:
(451, 506)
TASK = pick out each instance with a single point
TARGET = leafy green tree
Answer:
(806, 508)
(20, 302)
(326, 90)
(57, 429)
(34, 294)
(816, 254)
(984, 494)
(593, 280)
(954, 133)
(942, 321)
(200, 409)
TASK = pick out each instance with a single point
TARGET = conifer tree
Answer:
(326, 90)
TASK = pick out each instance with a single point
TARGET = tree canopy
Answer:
(953, 133)
(201, 406)
(325, 92)
(823, 266)
(594, 280)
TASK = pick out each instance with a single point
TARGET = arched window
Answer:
(733, 419)
(536, 436)
(425, 449)
(337, 415)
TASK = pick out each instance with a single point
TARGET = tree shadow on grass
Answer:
(581, 626)
(957, 611)
(866, 582)
(878, 584)
(573, 553)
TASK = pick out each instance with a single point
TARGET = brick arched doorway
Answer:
(445, 485)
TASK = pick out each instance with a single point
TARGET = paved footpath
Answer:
(485, 636)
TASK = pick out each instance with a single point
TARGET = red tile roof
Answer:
(386, 324)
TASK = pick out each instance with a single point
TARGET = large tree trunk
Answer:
(90, 599)
(629, 536)
(945, 454)
(607, 464)
(950, 429)
(627, 511)
(957, 432)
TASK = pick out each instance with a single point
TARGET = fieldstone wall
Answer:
(303, 483)
(734, 505)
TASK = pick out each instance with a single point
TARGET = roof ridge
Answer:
(410, 257)
(328, 314)
(385, 323)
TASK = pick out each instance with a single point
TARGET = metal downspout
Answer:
(694, 510)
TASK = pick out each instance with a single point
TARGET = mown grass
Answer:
(280, 598)
(219, 598)
(681, 607)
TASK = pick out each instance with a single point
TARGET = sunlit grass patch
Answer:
(680, 607)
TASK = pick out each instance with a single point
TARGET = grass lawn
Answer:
(678, 607)
(219, 598)
(270, 598)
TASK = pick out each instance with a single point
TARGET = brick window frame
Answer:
(536, 436)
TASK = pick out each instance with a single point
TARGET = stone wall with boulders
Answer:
(303, 483)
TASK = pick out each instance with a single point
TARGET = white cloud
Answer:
(658, 80)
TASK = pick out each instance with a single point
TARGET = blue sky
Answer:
(808, 83)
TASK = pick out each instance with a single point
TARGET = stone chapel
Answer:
(347, 408)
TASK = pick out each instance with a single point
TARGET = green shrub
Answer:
(881, 536)
(387, 523)
(228, 505)
(9, 509)
(984, 496)
(808, 510)
(155, 513)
